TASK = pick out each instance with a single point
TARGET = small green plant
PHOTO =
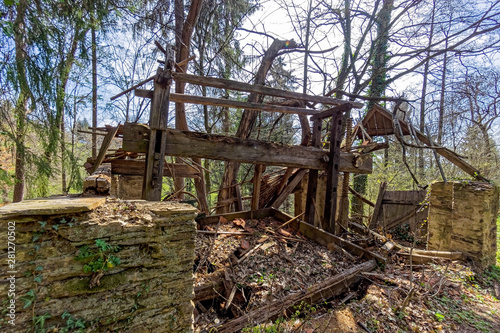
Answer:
(39, 322)
(100, 259)
(72, 324)
(439, 316)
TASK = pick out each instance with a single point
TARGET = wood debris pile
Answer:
(250, 263)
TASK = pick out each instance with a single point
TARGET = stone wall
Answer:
(99, 264)
(462, 217)
(126, 187)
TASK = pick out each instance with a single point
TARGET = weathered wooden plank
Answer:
(247, 214)
(181, 98)
(104, 148)
(288, 189)
(312, 182)
(324, 238)
(328, 113)
(136, 168)
(258, 89)
(378, 205)
(259, 168)
(158, 119)
(218, 147)
(332, 180)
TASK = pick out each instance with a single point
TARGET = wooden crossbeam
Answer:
(218, 147)
(258, 89)
(137, 167)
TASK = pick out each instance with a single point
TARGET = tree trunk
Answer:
(94, 92)
(441, 101)
(421, 162)
(248, 120)
(183, 33)
(64, 187)
(21, 109)
(378, 85)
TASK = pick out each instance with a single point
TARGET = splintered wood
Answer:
(244, 265)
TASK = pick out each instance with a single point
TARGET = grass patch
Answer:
(449, 308)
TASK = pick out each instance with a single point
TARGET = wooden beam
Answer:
(136, 168)
(276, 203)
(325, 238)
(259, 168)
(248, 214)
(104, 148)
(378, 205)
(258, 89)
(312, 183)
(158, 119)
(328, 113)
(333, 171)
(218, 147)
(181, 98)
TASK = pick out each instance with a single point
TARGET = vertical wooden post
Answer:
(239, 201)
(158, 119)
(344, 199)
(312, 183)
(259, 169)
(333, 173)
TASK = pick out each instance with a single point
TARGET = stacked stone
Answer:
(149, 287)
(462, 217)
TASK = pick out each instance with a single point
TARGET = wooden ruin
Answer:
(156, 141)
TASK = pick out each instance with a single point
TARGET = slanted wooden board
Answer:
(218, 147)
(104, 148)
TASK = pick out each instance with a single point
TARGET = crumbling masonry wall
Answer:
(98, 264)
(462, 217)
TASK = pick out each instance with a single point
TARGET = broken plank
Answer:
(104, 148)
(320, 292)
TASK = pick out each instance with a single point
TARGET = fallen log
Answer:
(320, 292)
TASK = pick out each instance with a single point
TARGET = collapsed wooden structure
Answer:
(156, 141)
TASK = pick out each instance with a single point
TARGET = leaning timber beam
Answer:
(218, 147)
(258, 89)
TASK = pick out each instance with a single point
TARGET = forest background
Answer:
(60, 61)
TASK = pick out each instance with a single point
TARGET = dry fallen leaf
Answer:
(245, 244)
(239, 222)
